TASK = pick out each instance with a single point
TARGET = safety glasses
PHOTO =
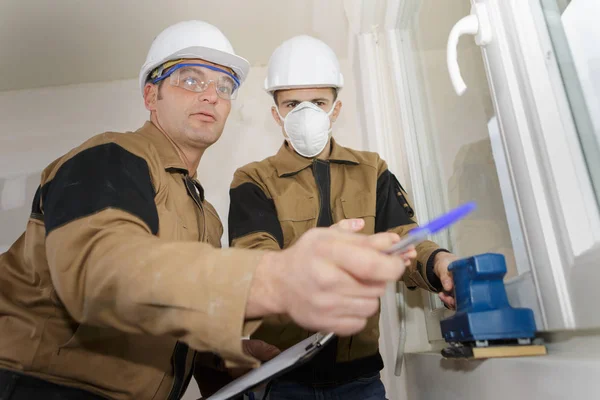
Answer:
(195, 78)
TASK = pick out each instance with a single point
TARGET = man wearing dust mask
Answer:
(314, 181)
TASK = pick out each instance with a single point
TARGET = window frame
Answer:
(565, 284)
(561, 228)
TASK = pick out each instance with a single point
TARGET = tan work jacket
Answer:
(117, 278)
(274, 201)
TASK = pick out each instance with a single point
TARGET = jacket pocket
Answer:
(113, 361)
(296, 216)
(360, 206)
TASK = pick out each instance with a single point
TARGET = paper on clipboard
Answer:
(285, 361)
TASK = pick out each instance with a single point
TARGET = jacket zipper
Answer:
(179, 358)
(324, 361)
(180, 352)
(321, 172)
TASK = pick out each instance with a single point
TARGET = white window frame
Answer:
(575, 207)
(562, 226)
(420, 151)
(560, 240)
(537, 137)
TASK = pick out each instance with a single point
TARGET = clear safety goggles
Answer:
(194, 77)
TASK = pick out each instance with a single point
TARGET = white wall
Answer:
(37, 126)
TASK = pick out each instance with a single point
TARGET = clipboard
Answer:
(289, 359)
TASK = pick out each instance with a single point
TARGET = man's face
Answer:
(287, 99)
(290, 98)
(190, 119)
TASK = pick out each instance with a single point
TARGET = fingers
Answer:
(331, 279)
(343, 316)
(441, 264)
(447, 281)
(408, 255)
(379, 241)
(259, 349)
(411, 252)
(382, 241)
(336, 306)
(365, 263)
(349, 225)
(448, 300)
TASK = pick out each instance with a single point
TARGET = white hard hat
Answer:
(193, 39)
(301, 62)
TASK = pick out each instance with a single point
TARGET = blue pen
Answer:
(420, 233)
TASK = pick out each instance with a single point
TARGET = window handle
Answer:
(477, 24)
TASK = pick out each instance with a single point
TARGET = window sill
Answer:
(570, 371)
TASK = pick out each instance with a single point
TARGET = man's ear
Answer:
(276, 116)
(336, 110)
(150, 96)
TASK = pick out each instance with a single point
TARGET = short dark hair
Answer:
(159, 84)
(334, 91)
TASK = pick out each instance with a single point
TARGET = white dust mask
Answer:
(307, 127)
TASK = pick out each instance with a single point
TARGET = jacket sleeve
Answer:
(394, 213)
(110, 269)
(253, 222)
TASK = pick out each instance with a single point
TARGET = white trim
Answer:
(585, 276)
(555, 190)
(557, 131)
(377, 98)
(520, 133)
(515, 225)
(416, 133)
(513, 61)
(420, 149)
(522, 293)
(407, 12)
(407, 110)
(579, 128)
(432, 322)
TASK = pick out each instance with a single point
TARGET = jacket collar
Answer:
(166, 149)
(288, 162)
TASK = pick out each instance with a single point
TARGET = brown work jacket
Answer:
(118, 282)
(274, 201)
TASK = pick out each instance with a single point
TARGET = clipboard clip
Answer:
(321, 341)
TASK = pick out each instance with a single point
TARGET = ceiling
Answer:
(61, 42)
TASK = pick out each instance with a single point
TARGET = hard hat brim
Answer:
(275, 88)
(239, 65)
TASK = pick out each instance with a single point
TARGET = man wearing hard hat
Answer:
(118, 288)
(314, 181)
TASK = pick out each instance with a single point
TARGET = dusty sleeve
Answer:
(253, 222)
(394, 213)
(110, 268)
